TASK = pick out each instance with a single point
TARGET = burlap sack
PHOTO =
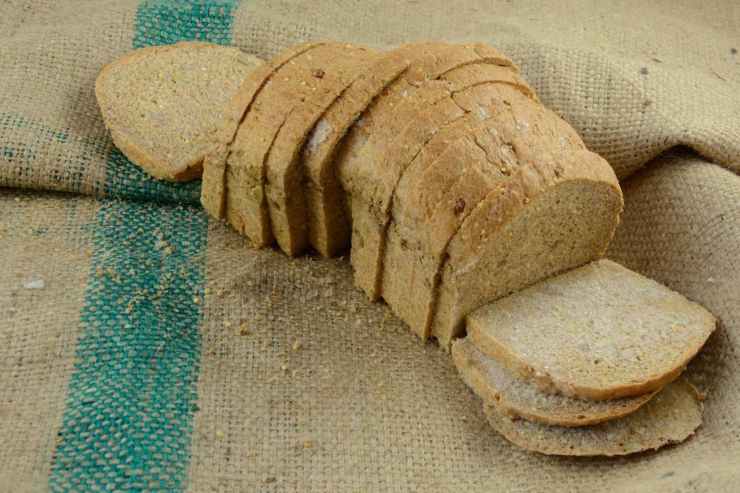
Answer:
(144, 347)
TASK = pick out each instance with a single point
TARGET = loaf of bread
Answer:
(435, 161)
(452, 186)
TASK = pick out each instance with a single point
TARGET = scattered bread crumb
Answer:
(297, 345)
(243, 329)
(37, 283)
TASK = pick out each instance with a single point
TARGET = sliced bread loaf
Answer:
(597, 332)
(672, 416)
(557, 209)
(328, 224)
(213, 192)
(517, 398)
(373, 157)
(336, 67)
(433, 199)
(162, 112)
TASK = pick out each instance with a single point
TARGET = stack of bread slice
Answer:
(452, 186)
(587, 363)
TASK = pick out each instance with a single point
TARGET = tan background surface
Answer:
(380, 411)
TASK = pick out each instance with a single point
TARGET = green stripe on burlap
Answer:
(128, 419)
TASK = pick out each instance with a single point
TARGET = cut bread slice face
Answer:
(213, 192)
(328, 224)
(597, 332)
(670, 417)
(515, 397)
(438, 191)
(162, 112)
(336, 67)
(373, 157)
(557, 209)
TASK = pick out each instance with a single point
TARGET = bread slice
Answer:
(597, 332)
(328, 225)
(557, 209)
(672, 416)
(291, 85)
(161, 112)
(369, 168)
(213, 192)
(434, 196)
(517, 398)
(336, 67)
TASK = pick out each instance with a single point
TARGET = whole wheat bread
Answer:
(162, 112)
(598, 332)
(335, 68)
(328, 224)
(672, 416)
(447, 163)
(361, 158)
(213, 192)
(289, 86)
(435, 195)
(557, 209)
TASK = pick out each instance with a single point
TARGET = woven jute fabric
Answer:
(144, 347)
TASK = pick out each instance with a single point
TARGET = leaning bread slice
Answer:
(670, 417)
(335, 68)
(213, 192)
(557, 209)
(597, 332)
(162, 112)
(362, 160)
(513, 396)
(328, 225)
